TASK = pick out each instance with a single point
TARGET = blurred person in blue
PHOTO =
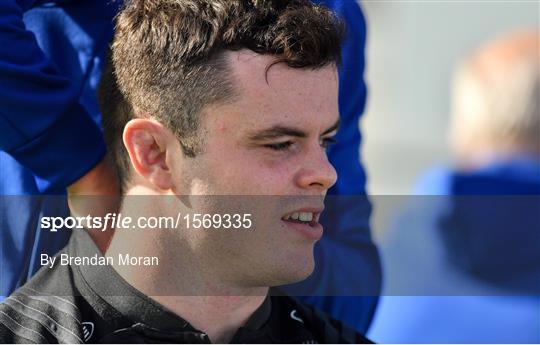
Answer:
(50, 64)
(471, 238)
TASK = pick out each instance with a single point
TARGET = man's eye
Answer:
(279, 146)
(327, 142)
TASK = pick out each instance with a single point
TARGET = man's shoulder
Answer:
(29, 315)
(320, 325)
(43, 310)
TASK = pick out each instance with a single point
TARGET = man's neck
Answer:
(218, 316)
(181, 283)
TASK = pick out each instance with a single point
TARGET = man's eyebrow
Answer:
(281, 131)
(277, 132)
(332, 128)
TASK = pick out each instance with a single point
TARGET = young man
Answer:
(44, 148)
(208, 98)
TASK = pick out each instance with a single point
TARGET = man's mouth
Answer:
(303, 217)
(305, 221)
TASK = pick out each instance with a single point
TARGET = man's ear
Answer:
(147, 142)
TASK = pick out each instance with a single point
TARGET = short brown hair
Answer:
(168, 60)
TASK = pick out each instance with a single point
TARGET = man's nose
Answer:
(316, 172)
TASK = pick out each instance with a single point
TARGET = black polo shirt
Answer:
(93, 304)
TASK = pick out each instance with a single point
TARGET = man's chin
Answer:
(294, 271)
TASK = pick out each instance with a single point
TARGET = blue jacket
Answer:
(50, 62)
(51, 56)
(464, 263)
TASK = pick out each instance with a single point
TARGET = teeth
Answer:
(306, 216)
(301, 216)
